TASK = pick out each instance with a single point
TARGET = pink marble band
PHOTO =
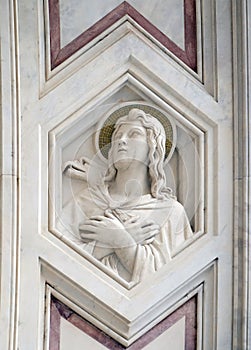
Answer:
(59, 55)
(59, 310)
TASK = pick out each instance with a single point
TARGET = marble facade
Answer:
(58, 80)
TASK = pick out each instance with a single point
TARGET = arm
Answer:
(111, 234)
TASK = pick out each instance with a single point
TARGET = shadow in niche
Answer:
(59, 310)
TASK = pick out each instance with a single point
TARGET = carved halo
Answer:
(104, 133)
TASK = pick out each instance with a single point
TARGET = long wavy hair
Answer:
(156, 140)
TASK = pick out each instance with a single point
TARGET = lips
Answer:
(122, 150)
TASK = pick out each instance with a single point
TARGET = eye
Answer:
(135, 133)
(118, 136)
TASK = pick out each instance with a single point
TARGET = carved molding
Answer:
(59, 55)
(9, 175)
(242, 184)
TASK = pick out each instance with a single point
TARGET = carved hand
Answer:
(107, 230)
(142, 231)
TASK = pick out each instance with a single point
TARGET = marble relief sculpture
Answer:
(130, 221)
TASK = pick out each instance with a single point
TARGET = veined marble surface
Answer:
(78, 16)
(73, 338)
(51, 105)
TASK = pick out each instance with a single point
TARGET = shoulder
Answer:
(177, 206)
(174, 204)
(175, 211)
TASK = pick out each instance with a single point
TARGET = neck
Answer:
(131, 182)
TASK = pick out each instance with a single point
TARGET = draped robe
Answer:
(151, 254)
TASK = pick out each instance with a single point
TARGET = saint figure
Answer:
(130, 222)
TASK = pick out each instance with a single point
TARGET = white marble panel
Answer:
(73, 338)
(173, 338)
(77, 16)
(167, 15)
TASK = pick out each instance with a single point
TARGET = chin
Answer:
(122, 164)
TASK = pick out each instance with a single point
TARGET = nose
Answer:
(122, 141)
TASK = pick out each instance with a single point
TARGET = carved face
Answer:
(130, 145)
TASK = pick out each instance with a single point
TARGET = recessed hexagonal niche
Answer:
(77, 167)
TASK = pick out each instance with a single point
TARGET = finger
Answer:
(151, 234)
(97, 217)
(147, 223)
(148, 235)
(88, 236)
(133, 226)
(150, 229)
(132, 220)
(109, 214)
(94, 223)
(89, 223)
(147, 240)
(155, 227)
(87, 227)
